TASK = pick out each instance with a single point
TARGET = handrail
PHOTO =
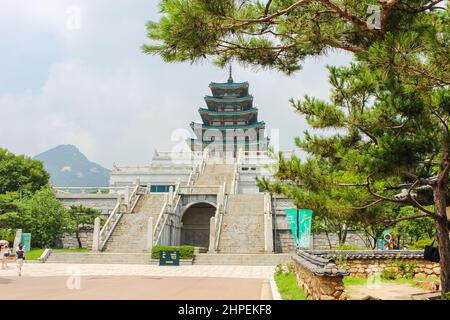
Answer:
(202, 189)
(135, 196)
(221, 206)
(158, 229)
(268, 234)
(110, 225)
(234, 183)
(159, 226)
(204, 160)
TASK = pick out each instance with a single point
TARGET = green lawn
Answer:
(35, 253)
(287, 285)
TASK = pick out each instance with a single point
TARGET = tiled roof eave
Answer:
(228, 85)
(227, 113)
(229, 99)
(370, 254)
(317, 265)
(197, 125)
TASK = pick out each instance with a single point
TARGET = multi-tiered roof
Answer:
(230, 121)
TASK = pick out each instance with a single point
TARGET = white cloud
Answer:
(66, 169)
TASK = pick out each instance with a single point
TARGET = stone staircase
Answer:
(130, 234)
(216, 174)
(243, 224)
(241, 259)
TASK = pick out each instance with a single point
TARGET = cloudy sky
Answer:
(72, 72)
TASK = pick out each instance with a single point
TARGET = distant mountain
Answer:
(68, 167)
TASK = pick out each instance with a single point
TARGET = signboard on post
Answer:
(26, 241)
(300, 223)
(169, 258)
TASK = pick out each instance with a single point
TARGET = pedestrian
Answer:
(20, 258)
(5, 254)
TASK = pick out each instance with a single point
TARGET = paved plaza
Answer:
(64, 281)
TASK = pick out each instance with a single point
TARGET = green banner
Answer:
(26, 241)
(300, 223)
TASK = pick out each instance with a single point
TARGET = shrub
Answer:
(407, 269)
(279, 269)
(420, 244)
(186, 252)
(389, 274)
(347, 247)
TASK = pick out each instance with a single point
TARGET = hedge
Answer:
(186, 252)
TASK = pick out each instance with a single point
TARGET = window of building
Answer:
(162, 188)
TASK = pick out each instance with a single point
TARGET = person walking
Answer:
(5, 254)
(20, 253)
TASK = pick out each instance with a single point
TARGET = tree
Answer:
(411, 231)
(21, 173)
(45, 218)
(82, 218)
(393, 101)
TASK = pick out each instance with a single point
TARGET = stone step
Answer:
(242, 234)
(242, 259)
(130, 235)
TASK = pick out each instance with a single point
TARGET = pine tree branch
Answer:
(266, 11)
(368, 205)
(351, 18)
(389, 223)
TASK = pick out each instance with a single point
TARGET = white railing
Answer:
(221, 207)
(207, 189)
(268, 234)
(88, 190)
(234, 183)
(110, 225)
(169, 205)
(205, 158)
(134, 197)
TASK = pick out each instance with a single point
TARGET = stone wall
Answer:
(364, 268)
(319, 278)
(367, 262)
(320, 241)
(69, 241)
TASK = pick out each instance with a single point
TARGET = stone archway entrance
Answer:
(196, 219)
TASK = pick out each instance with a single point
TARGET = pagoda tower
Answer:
(230, 121)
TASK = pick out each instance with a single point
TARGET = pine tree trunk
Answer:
(443, 239)
(78, 238)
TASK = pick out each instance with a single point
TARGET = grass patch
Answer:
(287, 285)
(35, 253)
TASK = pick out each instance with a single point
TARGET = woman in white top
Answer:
(5, 253)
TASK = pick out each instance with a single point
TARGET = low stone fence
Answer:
(367, 262)
(319, 277)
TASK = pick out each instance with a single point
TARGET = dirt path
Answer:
(384, 291)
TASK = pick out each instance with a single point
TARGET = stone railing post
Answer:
(268, 237)
(127, 194)
(96, 235)
(150, 234)
(212, 235)
(17, 239)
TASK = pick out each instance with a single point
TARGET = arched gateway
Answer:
(195, 227)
